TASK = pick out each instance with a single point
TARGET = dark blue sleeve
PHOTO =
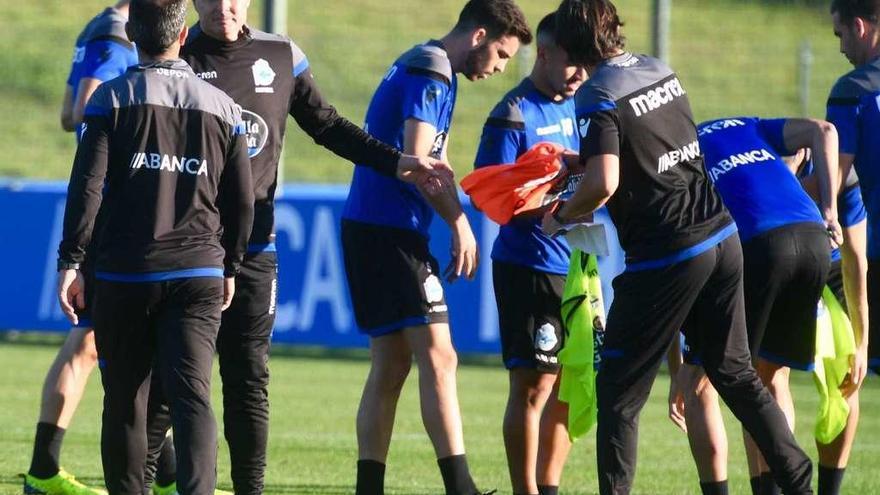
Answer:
(850, 207)
(773, 131)
(844, 114)
(499, 145)
(104, 60)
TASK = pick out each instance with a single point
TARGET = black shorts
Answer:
(393, 279)
(874, 315)
(784, 272)
(529, 316)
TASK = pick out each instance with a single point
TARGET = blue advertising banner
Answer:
(313, 302)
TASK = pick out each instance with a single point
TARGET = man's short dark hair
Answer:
(589, 30)
(848, 10)
(153, 25)
(546, 31)
(498, 17)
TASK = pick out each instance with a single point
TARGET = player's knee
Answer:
(443, 360)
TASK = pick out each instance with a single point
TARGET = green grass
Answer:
(734, 57)
(312, 441)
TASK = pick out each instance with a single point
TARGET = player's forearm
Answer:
(825, 160)
(446, 203)
(236, 206)
(855, 285)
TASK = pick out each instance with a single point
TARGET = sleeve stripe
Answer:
(505, 124)
(429, 73)
(300, 67)
(843, 102)
(602, 106)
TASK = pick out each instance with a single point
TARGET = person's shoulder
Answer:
(281, 42)
(509, 110)
(109, 25)
(216, 101)
(719, 126)
(427, 60)
(855, 83)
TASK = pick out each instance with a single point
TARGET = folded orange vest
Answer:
(502, 191)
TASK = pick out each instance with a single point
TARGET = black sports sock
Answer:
(166, 466)
(548, 490)
(47, 451)
(370, 478)
(830, 480)
(456, 475)
(755, 481)
(768, 484)
(714, 487)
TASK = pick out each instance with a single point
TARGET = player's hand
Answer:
(425, 171)
(858, 369)
(835, 232)
(550, 225)
(71, 293)
(676, 401)
(465, 256)
(228, 292)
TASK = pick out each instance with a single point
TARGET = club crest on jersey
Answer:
(437, 147)
(256, 132)
(263, 76)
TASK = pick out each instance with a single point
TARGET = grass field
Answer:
(734, 57)
(312, 440)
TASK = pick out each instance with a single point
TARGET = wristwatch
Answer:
(66, 265)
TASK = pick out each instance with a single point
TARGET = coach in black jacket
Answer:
(171, 150)
(269, 76)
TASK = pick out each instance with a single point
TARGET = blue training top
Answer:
(523, 118)
(420, 85)
(102, 52)
(743, 161)
(854, 108)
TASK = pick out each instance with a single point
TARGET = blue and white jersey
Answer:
(420, 85)
(102, 51)
(743, 161)
(523, 118)
(854, 108)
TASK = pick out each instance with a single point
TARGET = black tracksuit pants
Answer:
(174, 322)
(243, 345)
(704, 296)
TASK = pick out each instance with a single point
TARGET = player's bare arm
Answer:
(418, 140)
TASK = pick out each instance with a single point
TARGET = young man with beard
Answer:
(270, 78)
(529, 268)
(683, 258)
(179, 208)
(393, 278)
